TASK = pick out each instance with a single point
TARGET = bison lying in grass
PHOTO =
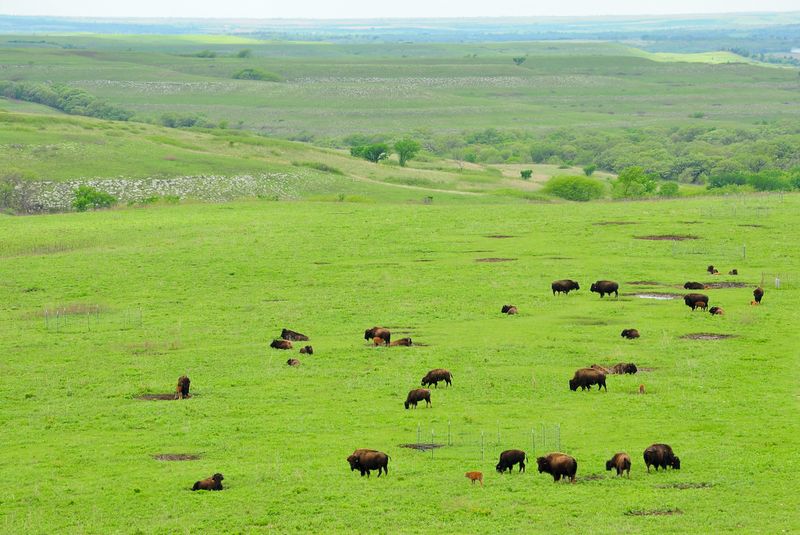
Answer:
(288, 334)
(281, 344)
(212, 483)
(630, 334)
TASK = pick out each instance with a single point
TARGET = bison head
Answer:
(369, 333)
(594, 287)
(631, 368)
(499, 467)
(353, 460)
(676, 463)
(217, 477)
(406, 404)
(543, 463)
(609, 465)
(573, 384)
(576, 286)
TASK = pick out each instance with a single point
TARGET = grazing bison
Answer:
(369, 460)
(623, 368)
(434, 376)
(380, 332)
(307, 350)
(586, 377)
(212, 483)
(565, 286)
(605, 287)
(402, 342)
(694, 300)
(660, 455)
(288, 334)
(630, 334)
(509, 309)
(733, 272)
(694, 285)
(182, 389)
(558, 465)
(509, 458)
(281, 344)
(353, 459)
(621, 462)
(417, 395)
(716, 311)
(293, 362)
(758, 293)
(475, 476)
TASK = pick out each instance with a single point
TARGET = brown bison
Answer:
(417, 395)
(402, 342)
(623, 368)
(353, 458)
(694, 300)
(660, 455)
(212, 483)
(369, 460)
(182, 389)
(434, 376)
(630, 334)
(712, 270)
(716, 311)
(380, 332)
(641, 389)
(288, 334)
(733, 272)
(281, 344)
(293, 362)
(600, 368)
(702, 305)
(378, 341)
(694, 285)
(605, 287)
(509, 309)
(621, 462)
(565, 286)
(558, 465)
(586, 377)
(307, 350)
(758, 294)
(509, 458)
(475, 476)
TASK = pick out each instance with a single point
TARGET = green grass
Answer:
(215, 283)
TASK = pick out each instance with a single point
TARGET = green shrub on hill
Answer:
(256, 74)
(88, 197)
(62, 97)
(575, 188)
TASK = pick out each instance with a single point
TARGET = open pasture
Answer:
(146, 295)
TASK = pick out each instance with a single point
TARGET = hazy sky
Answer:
(381, 8)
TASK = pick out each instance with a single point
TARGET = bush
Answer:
(257, 74)
(726, 179)
(668, 189)
(374, 153)
(575, 188)
(634, 182)
(526, 174)
(771, 180)
(88, 197)
(589, 169)
(67, 99)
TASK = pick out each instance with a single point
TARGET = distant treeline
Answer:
(62, 97)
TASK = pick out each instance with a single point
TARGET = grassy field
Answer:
(150, 294)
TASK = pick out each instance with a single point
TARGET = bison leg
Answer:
(521, 466)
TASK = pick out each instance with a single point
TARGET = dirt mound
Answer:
(670, 237)
(176, 457)
(157, 397)
(661, 296)
(500, 236)
(707, 336)
(495, 259)
(717, 285)
(604, 223)
(653, 512)
(422, 446)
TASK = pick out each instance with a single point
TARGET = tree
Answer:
(668, 189)
(526, 174)
(519, 60)
(406, 149)
(634, 182)
(575, 188)
(374, 153)
(245, 53)
(589, 169)
(88, 197)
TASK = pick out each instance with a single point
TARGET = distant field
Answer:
(103, 307)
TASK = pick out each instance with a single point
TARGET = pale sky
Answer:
(337, 9)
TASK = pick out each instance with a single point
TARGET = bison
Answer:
(600, 368)
(623, 368)
(380, 332)
(475, 476)
(712, 270)
(630, 334)
(641, 389)
(293, 362)
(716, 311)
(369, 460)
(621, 462)
(702, 305)
(586, 377)
(661, 455)
(605, 287)
(288, 334)
(353, 458)
(281, 344)
(402, 342)
(733, 272)
(378, 341)
(509, 458)
(182, 389)
(212, 483)
(509, 309)
(558, 465)
(758, 294)
(417, 395)
(307, 350)
(565, 286)
(694, 285)
(694, 300)
(434, 376)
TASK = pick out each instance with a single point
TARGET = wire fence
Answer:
(87, 318)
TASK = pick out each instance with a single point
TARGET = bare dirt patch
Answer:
(559, 258)
(606, 223)
(669, 237)
(499, 236)
(684, 486)
(495, 259)
(422, 446)
(423, 260)
(717, 285)
(753, 225)
(690, 222)
(176, 457)
(707, 336)
(653, 512)
(321, 263)
(157, 397)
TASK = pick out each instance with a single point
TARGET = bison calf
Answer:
(379, 332)
(293, 362)
(716, 311)
(288, 334)
(509, 309)
(509, 458)
(402, 342)
(415, 396)
(661, 456)
(434, 376)
(212, 483)
(182, 389)
(307, 350)
(586, 377)
(281, 344)
(630, 334)
(475, 476)
(558, 465)
(733, 272)
(621, 462)
(641, 389)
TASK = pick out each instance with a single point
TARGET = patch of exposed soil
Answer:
(660, 296)
(670, 237)
(753, 225)
(690, 222)
(422, 446)
(707, 336)
(423, 260)
(684, 486)
(500, 236)
(321, 263)
(653, 512)
(604, 223)
(717, 285)
(495, 259)
(559, 258)
(157, 397)
(176, 457)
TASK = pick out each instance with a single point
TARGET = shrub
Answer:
(526, 174)
(374, 153)
(589, 169)
(88, 197)
(257, 74)
(771, 180)
(668, 189)
(634, 182)
(575, 188)
(245, 53)
(725, 179)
